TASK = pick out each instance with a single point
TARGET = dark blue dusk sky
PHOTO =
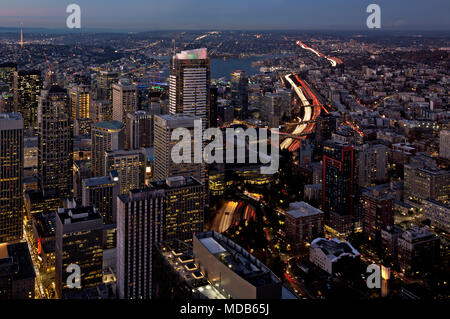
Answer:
(227, 14)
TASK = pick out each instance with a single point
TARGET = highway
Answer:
(311, 112)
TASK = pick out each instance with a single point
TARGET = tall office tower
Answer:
(372, 164)
(79, 234)
(164, 166)
(105, 81)
(271, 109)
(239, 93)
(142, 97)
(101, 111)
(139, 227)
(102, 192)
(124, 100)
(213, 106)
(11, 175)
(17, 275)
(27, 87)
(189, 84)
(80, 104)
(139, 128)
(129, 166)
(170, 209)
(377, 214)
(106, 136)
(444, 144)
(55, 142)
(338, 187)
(7, 74)
(183, 207)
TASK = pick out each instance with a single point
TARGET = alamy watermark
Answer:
(252, 140)
(374, 19)
(74, 19)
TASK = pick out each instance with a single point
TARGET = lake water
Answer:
(223, 68)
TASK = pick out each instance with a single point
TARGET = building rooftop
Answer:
(78, 214)
(97, 181)
(237, 259)
(10, 116)
(196, 54)
(302, 209)
(109, 125)
(334, 248)
(15, 259)
(180, 257)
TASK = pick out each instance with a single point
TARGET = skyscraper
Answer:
(106, 136)
(78, 238)
(17, 275)
(444, 144)
(80, 104)
(372, 164)
(166, 210)
(139, 130)
(27, 87)
(55, 140)
(183, 207)
(338, 187)
(102, 192)
(189, 84)
(377, 215)
(105, 81)
(129, 166)
(139, 227)
(124, 100)
(11, 174)
(164, 166)
(239, 93)
(7, 74)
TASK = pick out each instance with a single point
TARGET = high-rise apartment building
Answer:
(377, 214)
(106, 136)
(11, 177)
(27, 87)
(372, 164)
(79, 235)
(338, 187)
(55, 142)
